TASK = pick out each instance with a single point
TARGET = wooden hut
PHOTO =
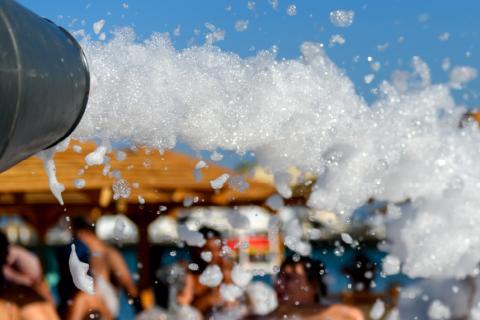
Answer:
(147, 178)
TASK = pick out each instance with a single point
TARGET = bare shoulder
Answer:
(344, 312)
(9, 311)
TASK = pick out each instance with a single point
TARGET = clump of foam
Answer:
(78, 270)
(79, 183)
(461, 75)
(241, 25)
(230, 292)
(292, 10)
(206, 256)
(346, 238)
(219, 182)
(119, 228)
(336, 39)
(263, 297)
(240, 276)
(212, 276)
(49, 164)
(391, 265)
(342, 18)
(215, 34)
(439, 311)
(377, 310)
(191, 237)
(96, 157)
(98, 26)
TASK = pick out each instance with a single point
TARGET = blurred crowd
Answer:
(209, 285)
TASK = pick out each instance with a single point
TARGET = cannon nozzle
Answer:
(44, 83)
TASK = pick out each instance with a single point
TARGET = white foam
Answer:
(377, 310)
(336, 39)
(263, 297)
(292, 10)
(56, 187)
(346, 238)
(119, 228)
(206, 256)
(438, 311)
(240, 276)
(230, 292)
(461, 75)
(191, 237)
(215, 35)
(275, 202)
(391, 265)
(212, 276)
(79, 183)
(342, 18)
(98, 26)
(219, 182)
(369, 78)
(304, 113)
(96, 157)
(274, 4)
(241, 25)
(78, 270)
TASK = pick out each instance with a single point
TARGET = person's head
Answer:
(80, 224)
(299, 281)
(213, 244)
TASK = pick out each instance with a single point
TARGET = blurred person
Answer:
(24, 268)
(361, 272)
(107, 266)
(19, 281)
(201, 297)
(300, 290)
(74, 303)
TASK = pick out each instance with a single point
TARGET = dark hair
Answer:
(3, 249)
(196, 252)
(314, 270)
(209, 233)
(80, 223)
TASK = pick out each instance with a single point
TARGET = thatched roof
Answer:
(157, 178)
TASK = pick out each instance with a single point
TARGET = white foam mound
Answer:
(304, 112)
(190, 237)
(212, 276)
(78, 270)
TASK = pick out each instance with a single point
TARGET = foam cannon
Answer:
(44, 83)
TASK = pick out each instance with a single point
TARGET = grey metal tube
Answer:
(44, 83)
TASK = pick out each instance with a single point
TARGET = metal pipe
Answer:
(44, 83)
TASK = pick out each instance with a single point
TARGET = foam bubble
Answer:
(292, 10)
(240, 276)
(342, 18)
(191, 237)
(377, 310)
(78, 270)
(212, 276)
(438, 311)
(230, 292)
(98, 26)
(219, 182)
(461, 75)
(241, 25)
(56, 187)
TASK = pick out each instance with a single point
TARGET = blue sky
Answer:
(405, 28)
